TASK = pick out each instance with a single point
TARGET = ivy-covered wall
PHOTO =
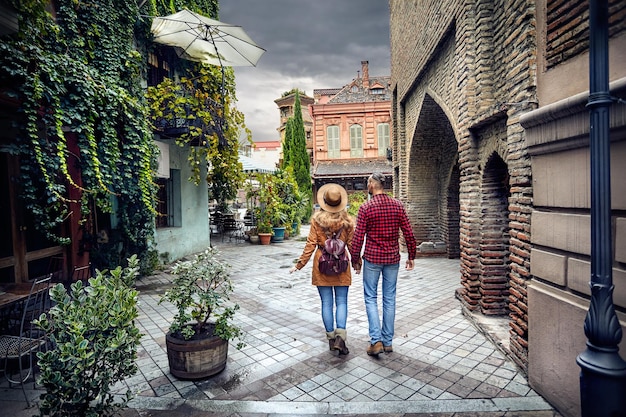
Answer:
(75, 71)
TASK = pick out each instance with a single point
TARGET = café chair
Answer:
(56, 268)
(81, 273)
(233, 228)
(30, 338)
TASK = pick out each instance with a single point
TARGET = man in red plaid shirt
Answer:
(378, 223)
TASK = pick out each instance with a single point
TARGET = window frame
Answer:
(384, 139)
(333, 151)
(356, 141)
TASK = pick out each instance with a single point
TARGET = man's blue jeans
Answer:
(371, 276)
(340, 295)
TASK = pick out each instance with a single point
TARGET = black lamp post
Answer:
(603, 371)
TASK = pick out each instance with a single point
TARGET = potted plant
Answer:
(265, 230)
(279, 218)
(253, 235)
(197, 341)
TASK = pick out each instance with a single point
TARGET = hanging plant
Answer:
(213, 124)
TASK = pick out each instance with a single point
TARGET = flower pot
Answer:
(254, 239)
(279, 234)
(265, 238)
(196, 359)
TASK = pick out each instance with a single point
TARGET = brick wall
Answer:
(568, 28)
(463, 72)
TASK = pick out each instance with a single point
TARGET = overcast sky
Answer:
(310, 44)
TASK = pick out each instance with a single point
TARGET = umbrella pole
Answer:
(222, 139)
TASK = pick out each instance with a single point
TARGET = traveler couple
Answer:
(378, 223)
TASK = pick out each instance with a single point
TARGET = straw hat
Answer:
(332, 197)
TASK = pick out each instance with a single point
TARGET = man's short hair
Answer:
(377, 176)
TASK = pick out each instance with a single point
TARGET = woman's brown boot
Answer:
(331, 340)
(340, 341)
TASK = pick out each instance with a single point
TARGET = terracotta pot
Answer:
(265, 238)
(196, 359)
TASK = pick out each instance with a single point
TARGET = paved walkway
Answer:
(442, 365)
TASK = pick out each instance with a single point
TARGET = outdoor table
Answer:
(11, 298)
(12, 293)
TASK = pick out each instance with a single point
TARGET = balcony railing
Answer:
(177, 126)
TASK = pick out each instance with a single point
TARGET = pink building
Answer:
(351, 133)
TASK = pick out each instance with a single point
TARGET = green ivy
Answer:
(79, 75)
(197, 97)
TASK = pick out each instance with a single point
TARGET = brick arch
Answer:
(494, 251)
(433, 179)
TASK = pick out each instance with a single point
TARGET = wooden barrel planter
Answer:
(196, 359)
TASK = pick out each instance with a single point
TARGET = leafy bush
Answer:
(354, 202)
(200, 292)
(94, 344)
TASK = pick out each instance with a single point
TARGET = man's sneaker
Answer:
(375, 349)
(388, 349)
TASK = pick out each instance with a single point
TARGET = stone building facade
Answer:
(489, 156)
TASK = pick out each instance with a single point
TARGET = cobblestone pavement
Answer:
(442, 364)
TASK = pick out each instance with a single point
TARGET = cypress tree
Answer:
(288, 145)
(298, 155)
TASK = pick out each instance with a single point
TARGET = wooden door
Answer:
(25, 253)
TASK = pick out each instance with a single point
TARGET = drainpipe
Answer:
(603, 371)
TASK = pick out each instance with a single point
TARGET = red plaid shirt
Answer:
(381, 220)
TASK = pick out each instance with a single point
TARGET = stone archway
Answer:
(433, 182)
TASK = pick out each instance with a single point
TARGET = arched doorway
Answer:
(433, 189)
(494, 238)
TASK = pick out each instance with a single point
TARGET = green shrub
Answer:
(354, 202)
(94, 344)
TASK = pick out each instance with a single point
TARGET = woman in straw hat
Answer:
(333, 289)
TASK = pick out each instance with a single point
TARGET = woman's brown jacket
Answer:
(316, 238)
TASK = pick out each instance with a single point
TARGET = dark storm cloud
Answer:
(309, 44)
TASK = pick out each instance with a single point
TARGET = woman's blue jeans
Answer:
(334, 296)
(371, 276)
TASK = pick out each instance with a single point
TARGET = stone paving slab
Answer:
(441, 365)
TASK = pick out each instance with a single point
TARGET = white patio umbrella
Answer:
(199, 38)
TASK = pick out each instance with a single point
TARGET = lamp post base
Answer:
(602, 382)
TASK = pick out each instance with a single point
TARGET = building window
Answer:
(354, 89)
(356, 141)
(383, 138)
(377, 91)
(334, 146)
(168, 201)
(158, 69)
